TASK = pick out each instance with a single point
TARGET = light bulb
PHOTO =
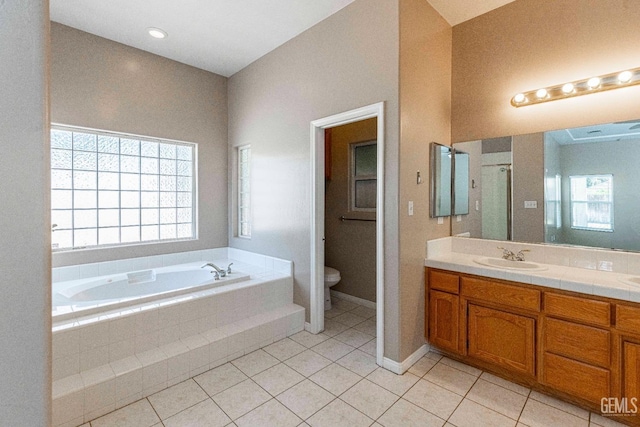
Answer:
(567, 88)
(541, 93)
(519, 98)
(625, 76)
(156, 33)
(593, 82)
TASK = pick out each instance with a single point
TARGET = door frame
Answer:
(317, 217)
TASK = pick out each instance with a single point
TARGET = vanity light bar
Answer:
(596, 84)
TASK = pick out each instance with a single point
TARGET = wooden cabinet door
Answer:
(631, 370)
(444, 320)
(502, 338)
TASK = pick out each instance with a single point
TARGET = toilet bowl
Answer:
(331, 278)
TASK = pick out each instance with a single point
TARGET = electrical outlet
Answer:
(530, 204)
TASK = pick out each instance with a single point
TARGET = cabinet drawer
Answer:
(585, 343)
(575, 308)
(499, 293)
(628, 319)
(446, 282)
(576, 378)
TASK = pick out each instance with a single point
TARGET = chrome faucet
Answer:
(218, 272)
(511, 256)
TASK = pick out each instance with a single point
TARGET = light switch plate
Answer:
(440, 220)
(410, 207)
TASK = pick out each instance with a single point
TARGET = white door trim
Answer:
(317, 217)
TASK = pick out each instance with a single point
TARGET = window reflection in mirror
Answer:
(571, 186)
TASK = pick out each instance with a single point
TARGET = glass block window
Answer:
(244, 191)
(363, 176)
(113, 189)
(592, 202)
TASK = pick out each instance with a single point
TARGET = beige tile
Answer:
(461, 366)
(369, 398)
(342, 304)
(308, 339)
(422, 366)
(220, 378)
(397, 384)
(335, 379)
(359, 362)
(174, 399)
(284, 349)
(369, 327)
(338, 413)
(307, 363)
(353, 338)
(406, 414)
(205, 413)
(559, 404)
(499, 399)
(599, 420)
(333, 328)
(450, 378)
(471, 414)
(255, 362)
(333, 349)
(241, 399)
(431, 354)
(271, 414)
(330, 314)
(505, 383)
(370, 348)
(349, 319)
(305, 398)
(537, 414)
(277, 379)
(363, 311)
(138, 414)
(433, 398)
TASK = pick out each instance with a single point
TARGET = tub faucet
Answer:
(217, 270)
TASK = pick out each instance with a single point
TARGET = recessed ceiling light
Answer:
(157, 33)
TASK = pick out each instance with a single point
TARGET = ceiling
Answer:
(598, 133)
(221, 36)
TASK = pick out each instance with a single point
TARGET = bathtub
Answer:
(88, 296)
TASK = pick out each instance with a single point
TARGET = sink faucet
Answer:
(511, 256)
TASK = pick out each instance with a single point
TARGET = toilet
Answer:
(331, 278)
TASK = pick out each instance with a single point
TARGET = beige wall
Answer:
(425, 112)
(528, 185)
(101, 84)
(533, 43)
(346, 61)
(350, 246)
(25, 254)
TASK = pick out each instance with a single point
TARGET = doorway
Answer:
(318, 216)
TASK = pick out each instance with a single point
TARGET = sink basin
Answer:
(513, 265)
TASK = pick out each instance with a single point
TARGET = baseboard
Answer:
(351, 298)
(402, 367)
(307, 326)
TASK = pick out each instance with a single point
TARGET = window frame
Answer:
(610, 202)
(354, 179)
(239, 191)
(139, 157)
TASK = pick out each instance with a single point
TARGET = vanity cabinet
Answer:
(443, 328)
(578, 347)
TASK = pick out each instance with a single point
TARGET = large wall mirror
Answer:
(570, 186)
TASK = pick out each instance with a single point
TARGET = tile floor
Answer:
(332, 380)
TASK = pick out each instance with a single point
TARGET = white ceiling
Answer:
(221, 36)
(598, 133)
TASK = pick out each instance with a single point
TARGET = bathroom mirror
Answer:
(570, 186)
(440, 190)
(460, 183)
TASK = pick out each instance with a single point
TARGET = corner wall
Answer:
(425, 116)
(347, 61)
(25, 255)
(98, 83)
(529, 44)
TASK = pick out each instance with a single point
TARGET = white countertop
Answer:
(586, 281)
